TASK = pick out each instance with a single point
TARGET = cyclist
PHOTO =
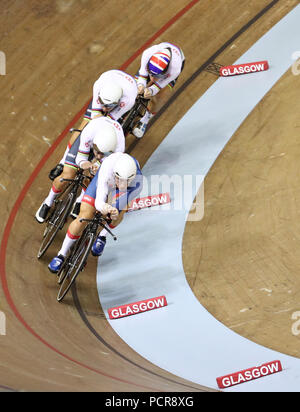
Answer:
(116, 184)
(100, 137)
(114, 94)
(160, 67)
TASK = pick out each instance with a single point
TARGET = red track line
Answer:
(33, 176)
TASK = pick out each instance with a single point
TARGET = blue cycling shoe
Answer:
(99, 246)
(56, 263)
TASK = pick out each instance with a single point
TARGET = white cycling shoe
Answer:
(139, 131)
(42, 213)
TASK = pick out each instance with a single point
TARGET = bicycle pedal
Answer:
(75, 212)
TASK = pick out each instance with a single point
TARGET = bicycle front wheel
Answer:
(74, 264)
(56, 222)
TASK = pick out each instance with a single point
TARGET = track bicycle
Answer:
(63, 205)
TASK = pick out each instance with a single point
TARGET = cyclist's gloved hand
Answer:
(112, 211)
(141, 89)
(94, 168)
(148, 93)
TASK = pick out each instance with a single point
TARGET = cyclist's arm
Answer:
(102, 187)
(96, 105)
(142, 81)
(160, 84)
(143, 71)
(86, 139)
(82, 160)
(103, 190)
(101, 199)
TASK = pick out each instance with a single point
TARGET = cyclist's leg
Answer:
(74, 232)
(76, 228)
(57, 170)
(88, 205)
(87, 211)
(69, 172)
(70, 167)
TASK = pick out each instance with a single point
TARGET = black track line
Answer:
(133, 145)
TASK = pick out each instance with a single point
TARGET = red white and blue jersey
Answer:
(173, 71)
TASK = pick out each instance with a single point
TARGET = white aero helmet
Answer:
(106, 138)
(125, 167)
(110, 94)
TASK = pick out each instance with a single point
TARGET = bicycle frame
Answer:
(76, 261)
(134, 115)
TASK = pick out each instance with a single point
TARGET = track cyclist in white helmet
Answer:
(114, 94)
(101, 137)
(116, 184)
(160, 67)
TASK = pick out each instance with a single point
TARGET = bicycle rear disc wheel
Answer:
(75, 265)
(56, 222)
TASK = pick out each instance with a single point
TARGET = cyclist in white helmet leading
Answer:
(114, 94)
(160, 67)
(101, 137)
(116, 184)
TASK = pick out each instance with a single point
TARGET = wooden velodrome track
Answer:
(55, 50)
